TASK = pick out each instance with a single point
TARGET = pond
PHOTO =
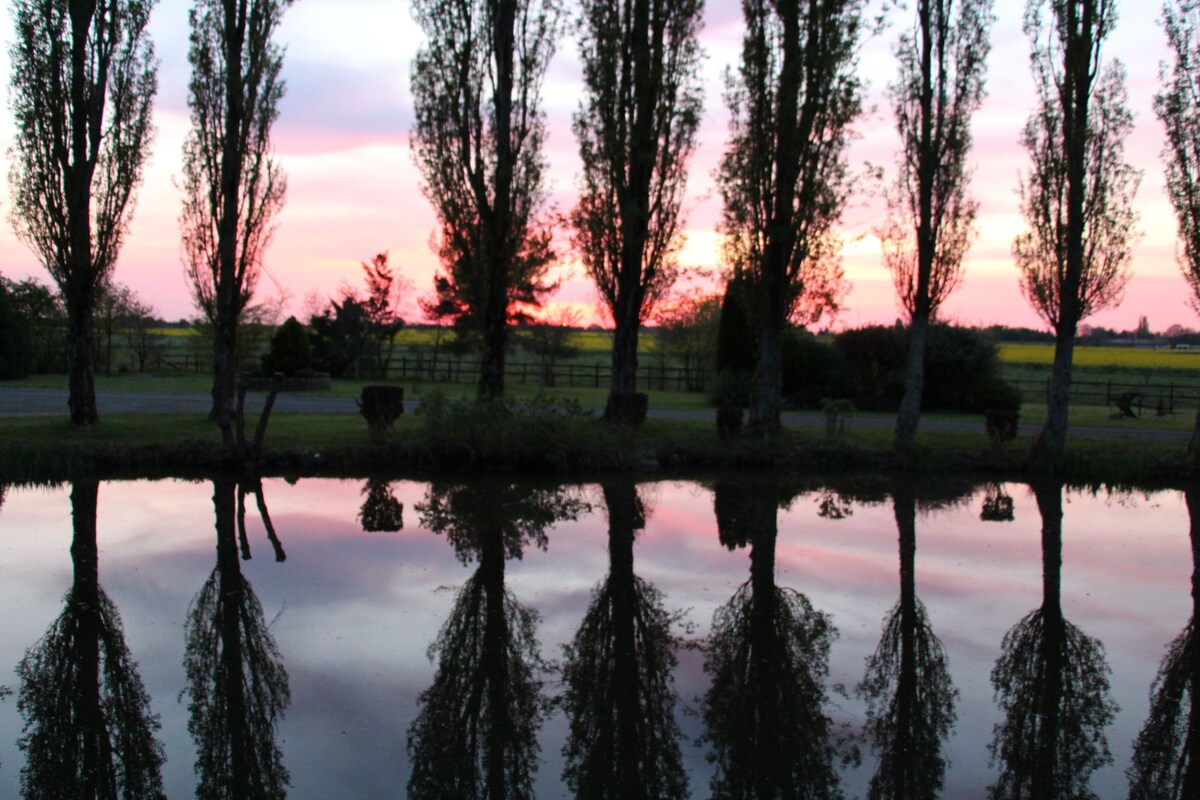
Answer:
(330, 638)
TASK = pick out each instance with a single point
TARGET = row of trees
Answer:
(784, 176)
(83, 131)
(84, 76)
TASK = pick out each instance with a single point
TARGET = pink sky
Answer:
(353, 190)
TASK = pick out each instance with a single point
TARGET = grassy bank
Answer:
(541, 438)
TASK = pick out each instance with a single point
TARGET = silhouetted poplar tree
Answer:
(931, 219)
(1077, 196)
(233, 189)
(82, 82)
(1178, 106)
(477, 140)
(784, 178)
(636, 129)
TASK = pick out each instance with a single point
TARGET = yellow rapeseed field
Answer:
(1126, 357)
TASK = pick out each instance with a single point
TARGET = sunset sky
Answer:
(353, 191)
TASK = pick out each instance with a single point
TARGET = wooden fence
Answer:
(1141, 396)
(459, 370)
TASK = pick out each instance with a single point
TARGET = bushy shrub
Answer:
(962, 369)
(812, 370)
(290, 350)
(544, 431)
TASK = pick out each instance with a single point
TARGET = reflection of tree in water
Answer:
(3, 493)
(237, 684)
(907, 686)
(476, 733)
(620, 695)
(381, 511)
(768, 656)
(1051, 682)
(88, 729)
(1166, 756)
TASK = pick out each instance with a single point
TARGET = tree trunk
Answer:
(79, 287)
(1053, 438)
(499, 252)
(909, 415)
(229, 290)
(767, 400)
(624, 353)
(81, 363)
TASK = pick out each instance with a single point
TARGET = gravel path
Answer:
(16, 402)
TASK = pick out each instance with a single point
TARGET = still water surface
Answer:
(368, 639)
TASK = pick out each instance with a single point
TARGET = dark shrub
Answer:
(812, 370)
(627, 408)
(962, 369)
(381, 405)
(290, 351)
(875, 357)
(729, 420)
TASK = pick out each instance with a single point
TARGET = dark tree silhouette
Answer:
(931, 219)
(1166, 755)
(1051, 682)
(620, 695)
(82, 82)
(476, 733)
(89, 732)
(233, 188)
(784, 177)
(477, 141)
(1077, 197)
(237, 688)
(768, 656)
(636, 130)
(1178, 106)
(910, 697)
(380, 511)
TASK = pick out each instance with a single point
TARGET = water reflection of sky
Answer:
(354, 612)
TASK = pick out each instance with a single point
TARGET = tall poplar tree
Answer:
(1077, 196)
(477, 140)
(82, 83)
(233, 188)
(1178, 106)
(931, 218)
(636, 129)
(784, 177)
